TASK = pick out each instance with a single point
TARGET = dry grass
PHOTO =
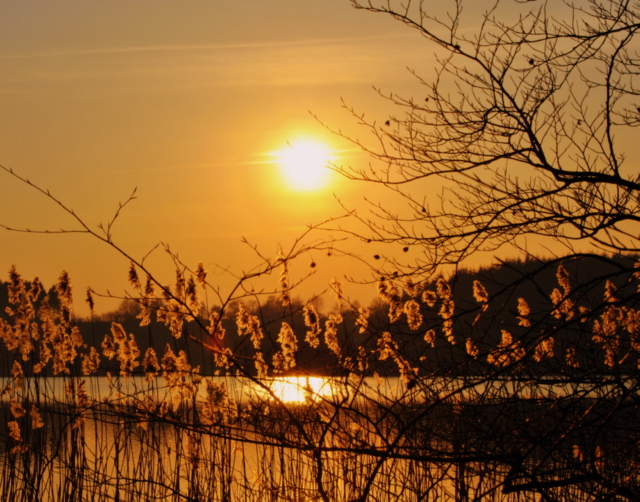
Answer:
(159, 430)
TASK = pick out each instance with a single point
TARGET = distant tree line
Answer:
(506, 286)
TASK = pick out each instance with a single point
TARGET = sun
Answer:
(304, 164)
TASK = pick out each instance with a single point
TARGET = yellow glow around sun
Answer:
(304, 164)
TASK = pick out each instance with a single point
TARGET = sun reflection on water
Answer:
(299, 389)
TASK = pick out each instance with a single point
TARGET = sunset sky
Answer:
(193, 103)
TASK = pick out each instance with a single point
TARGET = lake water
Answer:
(292, 435)
(300, 389)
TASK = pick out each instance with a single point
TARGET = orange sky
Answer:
(187, 102)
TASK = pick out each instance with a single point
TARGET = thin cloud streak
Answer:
(327, 62)
(206, 47)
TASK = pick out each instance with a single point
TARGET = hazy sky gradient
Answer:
(186, 101)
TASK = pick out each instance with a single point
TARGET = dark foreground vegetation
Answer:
(438, 395)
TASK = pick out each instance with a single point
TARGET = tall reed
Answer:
(155, 428)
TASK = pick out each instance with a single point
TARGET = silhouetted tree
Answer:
(524, 123)
(523, 128)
